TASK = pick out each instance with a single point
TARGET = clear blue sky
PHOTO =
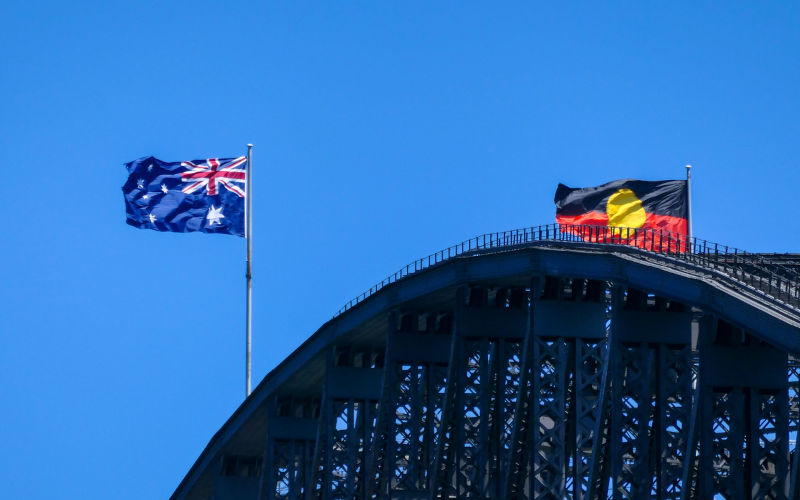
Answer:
(384, 131)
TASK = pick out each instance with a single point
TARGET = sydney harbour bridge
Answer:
(547, 362)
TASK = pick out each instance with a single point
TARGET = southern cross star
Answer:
(152, 218)
(164, 188)
(140, 184)
(214, 215)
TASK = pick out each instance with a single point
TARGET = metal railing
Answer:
(737, 268)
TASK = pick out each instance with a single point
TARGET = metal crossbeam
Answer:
(566, 388)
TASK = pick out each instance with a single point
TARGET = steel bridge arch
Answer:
(532, 367)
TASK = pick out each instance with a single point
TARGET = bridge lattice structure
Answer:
(549, 362)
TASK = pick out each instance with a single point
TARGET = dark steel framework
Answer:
(577, 380)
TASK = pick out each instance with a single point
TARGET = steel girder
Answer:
(739, 374)
(565, 388)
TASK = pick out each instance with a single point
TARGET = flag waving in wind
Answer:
(630, 210)
(200, 195)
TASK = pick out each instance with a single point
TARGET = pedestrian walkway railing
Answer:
(737, 268)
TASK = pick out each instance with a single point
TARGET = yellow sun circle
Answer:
(624, 209)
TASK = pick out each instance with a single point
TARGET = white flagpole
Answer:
(248, 234)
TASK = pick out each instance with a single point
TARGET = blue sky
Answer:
(383, 132)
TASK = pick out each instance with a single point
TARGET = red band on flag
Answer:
(659, 233)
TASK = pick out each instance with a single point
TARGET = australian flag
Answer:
(201, 195)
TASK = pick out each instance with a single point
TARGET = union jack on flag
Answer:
(200, 195)
(212, 173)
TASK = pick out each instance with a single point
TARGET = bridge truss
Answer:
(535, 364)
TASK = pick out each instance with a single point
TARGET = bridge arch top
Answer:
(753, 291)
(769, 279)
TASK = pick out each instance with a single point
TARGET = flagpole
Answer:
(248, 234)
(689, 200)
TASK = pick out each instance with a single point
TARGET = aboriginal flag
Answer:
(631, 211)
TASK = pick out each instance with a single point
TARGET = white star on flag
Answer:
(140, 184)
(152, 218)
(164, 188)
(214, 215)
